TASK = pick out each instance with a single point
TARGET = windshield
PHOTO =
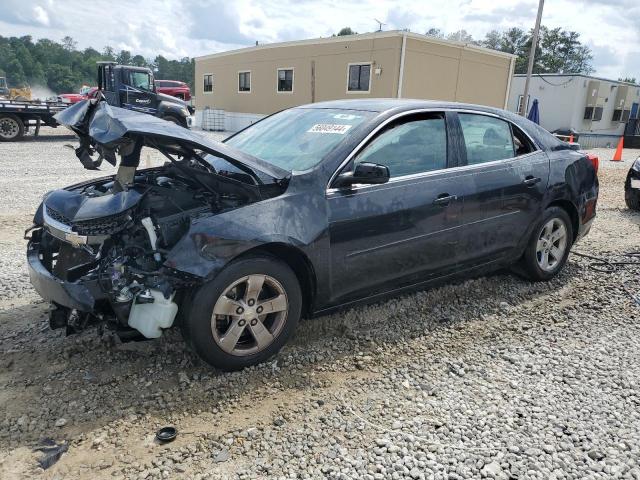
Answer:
(297, 139)
(141, 80)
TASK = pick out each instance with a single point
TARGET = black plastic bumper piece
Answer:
(67, 294)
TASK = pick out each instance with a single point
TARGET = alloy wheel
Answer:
(249, 315)
(552, 244)
(9, 128)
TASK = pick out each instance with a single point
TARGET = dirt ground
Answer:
(107, 399)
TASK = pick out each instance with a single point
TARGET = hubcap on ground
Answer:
(249, 315)
(552, 244)
(8, 128)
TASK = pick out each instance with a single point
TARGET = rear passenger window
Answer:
(486, 138)
(410, 147)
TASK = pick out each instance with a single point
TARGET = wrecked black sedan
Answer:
(311, 209)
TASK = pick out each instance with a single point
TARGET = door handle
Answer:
(444, 199)
(530, 180)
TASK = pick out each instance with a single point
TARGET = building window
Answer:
(625, 115)
(519, 107)
(597, 114)
(617, 115)
(244, 81)
(588, 113)
(207, 83)
(285, 80)
(359, 78)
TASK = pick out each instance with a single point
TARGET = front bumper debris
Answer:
(74, 295)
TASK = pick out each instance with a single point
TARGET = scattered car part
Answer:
(166, 434)
(51, 452)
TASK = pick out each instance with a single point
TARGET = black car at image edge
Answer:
(311, 209)
(632, 186)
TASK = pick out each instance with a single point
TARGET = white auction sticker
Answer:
(345, 116)
(635, 183)
(329, 128)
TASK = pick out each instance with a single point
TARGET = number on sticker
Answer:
(329, 128)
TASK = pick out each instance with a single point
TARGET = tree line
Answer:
(63, 68)
(558, 50)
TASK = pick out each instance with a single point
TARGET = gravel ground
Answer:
(493, 377)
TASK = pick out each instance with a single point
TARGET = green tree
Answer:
(109, 53)
(461, 36)
(627, 79)
(346, 31)
(558, 51)
(435, 32)
(124, 57)
(64, 68)
(69, 44)
(139, 61)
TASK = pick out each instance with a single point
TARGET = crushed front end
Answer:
(98, 250)
(97, 254)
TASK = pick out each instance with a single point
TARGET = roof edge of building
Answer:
(584, 75)
(360, 36)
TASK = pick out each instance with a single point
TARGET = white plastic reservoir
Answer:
(150, 318)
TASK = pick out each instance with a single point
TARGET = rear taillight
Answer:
(595, 161)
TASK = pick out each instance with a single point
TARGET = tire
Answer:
(532, 264)
(11, 128)
(632, 199)
(208, 332)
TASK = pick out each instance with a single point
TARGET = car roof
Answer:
(396, 104)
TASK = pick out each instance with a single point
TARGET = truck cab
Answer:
(4, 90)
(134, 88)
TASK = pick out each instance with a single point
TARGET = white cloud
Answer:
(41, 15)
(177, 28)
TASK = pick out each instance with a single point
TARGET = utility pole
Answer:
(532, 54)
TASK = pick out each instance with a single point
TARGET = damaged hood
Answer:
(112, 127)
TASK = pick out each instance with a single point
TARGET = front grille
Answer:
(57, 216)
(96, 226)
(103, 225)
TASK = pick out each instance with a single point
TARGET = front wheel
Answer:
(549, 245)
(244, 315)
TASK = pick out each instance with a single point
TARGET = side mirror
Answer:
(366, 173)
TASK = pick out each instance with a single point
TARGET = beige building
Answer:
(250, 83)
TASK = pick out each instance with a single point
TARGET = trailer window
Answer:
(244, 81)
(207, 83)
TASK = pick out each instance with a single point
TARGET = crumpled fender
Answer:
(212, 242)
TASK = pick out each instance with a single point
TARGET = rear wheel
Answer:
(549, 245)
(11, 128)
(246, 314)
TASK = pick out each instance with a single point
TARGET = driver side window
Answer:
(409, 147)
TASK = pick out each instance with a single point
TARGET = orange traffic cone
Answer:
(617, 157)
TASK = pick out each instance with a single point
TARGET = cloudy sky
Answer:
(177, 28)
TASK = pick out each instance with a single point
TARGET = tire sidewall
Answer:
(530, 257)
(197, 326)
(20, 133)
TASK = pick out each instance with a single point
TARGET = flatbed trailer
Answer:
(18, 117)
